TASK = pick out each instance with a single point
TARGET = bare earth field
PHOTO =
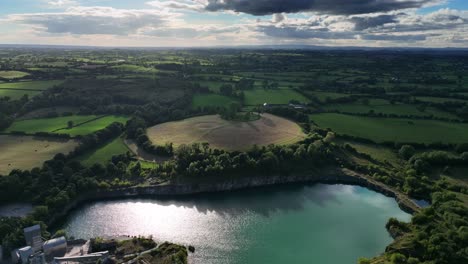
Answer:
(27, 152)
(229, 135)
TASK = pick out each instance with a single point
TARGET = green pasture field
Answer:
(212, 85)
(14, 89)
(377, 152)
(143, 164)
(278, 76)
(386, 108)
(37, 69)
(104, 153)
(44, 112)
(59, 64)
(217, 77)
(13, 74)
(94, 126)
(322, 96)
(59, 124)
(281, 84)
(393, 129)
(17, 94)
(134, 68)
(213, 100)
(34, 85)
(439, 99)
(277, 96)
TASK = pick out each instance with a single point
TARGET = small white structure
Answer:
(89, 258)
(25, 253)
(14, 256)
(56, 247)
(32, 236)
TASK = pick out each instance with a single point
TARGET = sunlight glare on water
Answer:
(268, 225)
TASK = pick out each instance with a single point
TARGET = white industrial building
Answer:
(56, 247)
(55, 250)
(33, 238)
(37, 251)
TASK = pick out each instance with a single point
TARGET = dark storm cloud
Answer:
(291, 32)
(345, 7)
(439, 20)
(362, 23)
(402, 38)
(187, 32)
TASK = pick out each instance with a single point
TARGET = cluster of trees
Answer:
(438, 234)
(53, 186)
(199, 160)
(58, 182)
(397, 145)
(8, 108)
(298, 115)
(136, 129)
(149, 99)
(230, 112)
(229, 90)
(245, 84)
(423, 162)
(98, 138)
(372, 113)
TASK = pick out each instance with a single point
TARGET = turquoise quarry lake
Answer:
(285, 224)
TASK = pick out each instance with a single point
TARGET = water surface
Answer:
(294, 224)
(15, 210)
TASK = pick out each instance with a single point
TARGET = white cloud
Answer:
(392, 27)
(164, 23)
(95, 20)
(60, 3)
(181, 4)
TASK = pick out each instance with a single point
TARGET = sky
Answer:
(204, 23)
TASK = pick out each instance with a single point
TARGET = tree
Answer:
(70, 124)
(364, 261)
(60, 233)
(398, 258)
(412, 260)
(226, 89)
(421, 165)
(41, 212)
(462, 147)
(406, 151)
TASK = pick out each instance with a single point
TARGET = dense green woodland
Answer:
(398, 117)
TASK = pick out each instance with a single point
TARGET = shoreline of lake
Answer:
(257, 225)
(326, 176)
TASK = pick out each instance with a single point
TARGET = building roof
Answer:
(32, 228)
(25, 248)
(55, 242)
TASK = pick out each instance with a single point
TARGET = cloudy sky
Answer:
(158, 23)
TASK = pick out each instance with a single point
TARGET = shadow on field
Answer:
(51, 139)
(268, 122)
